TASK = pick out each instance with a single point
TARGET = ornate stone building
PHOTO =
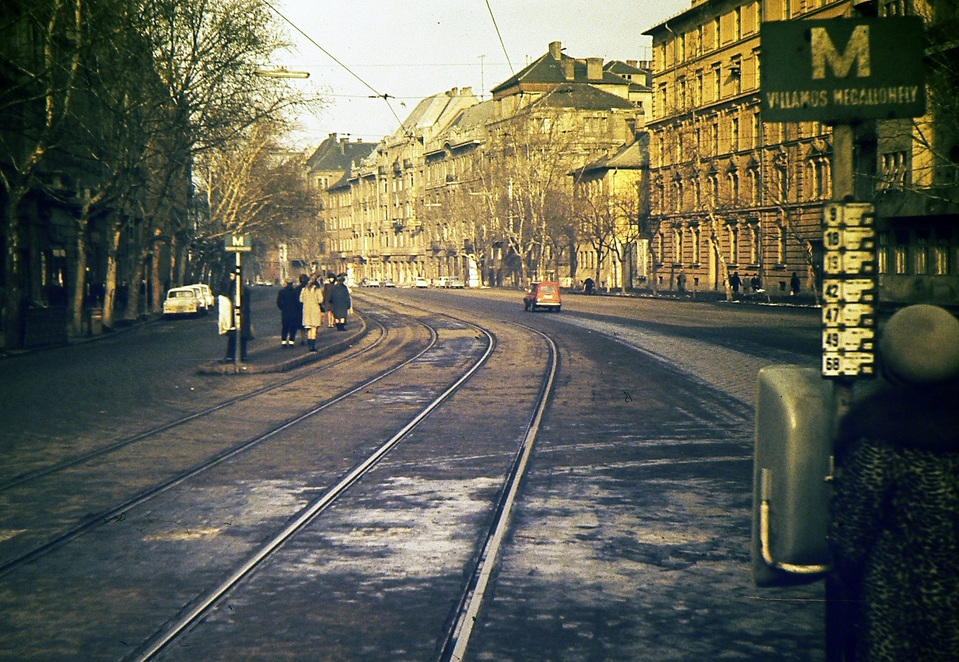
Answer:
(732, 192)
(480, 190)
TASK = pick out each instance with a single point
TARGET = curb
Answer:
(342, 342)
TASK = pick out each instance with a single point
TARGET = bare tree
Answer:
(37, 103)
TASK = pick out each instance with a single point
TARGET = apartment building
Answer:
(731, 192)
(459, 189)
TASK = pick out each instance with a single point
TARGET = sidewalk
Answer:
(268, 355)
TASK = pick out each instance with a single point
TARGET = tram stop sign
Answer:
(842, 70)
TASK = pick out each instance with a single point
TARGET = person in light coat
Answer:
(311, 297)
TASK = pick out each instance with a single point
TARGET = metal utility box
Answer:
(793, 456)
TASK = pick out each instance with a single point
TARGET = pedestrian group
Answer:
(317, 301)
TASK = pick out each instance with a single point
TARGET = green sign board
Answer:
(842, 70)
(239, 243)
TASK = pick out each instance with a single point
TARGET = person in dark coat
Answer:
(327, 290)
(340, 302)
(735, 282)
(894, 530)
(246, 321)
(291, 317)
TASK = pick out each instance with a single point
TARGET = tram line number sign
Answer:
(850, 290)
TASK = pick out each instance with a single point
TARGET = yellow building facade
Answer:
(732, 193)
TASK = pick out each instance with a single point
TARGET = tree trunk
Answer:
(12, 295)
(109, 296)
(78, 293)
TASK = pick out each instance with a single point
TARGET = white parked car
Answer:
(421, 282)
(181, 301)
(205, 295)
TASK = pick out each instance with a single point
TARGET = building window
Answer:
(882, 253)
(780, 244)
(717, 83)
(734, 188)
(816, 178)
(678, 196)
(736, 75)
(755, 183)
(696, 245)
(922, 255)
(738, 23)
(892, 171)
(678, 245)
(757, 130)
(733, 233)
(754, 244)
(712, 182)
(940, 258)
(901, 253)
(716, 33)
(734, 135)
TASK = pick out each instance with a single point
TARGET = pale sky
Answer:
(411, 49)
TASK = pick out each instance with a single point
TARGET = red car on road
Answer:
(543, 295)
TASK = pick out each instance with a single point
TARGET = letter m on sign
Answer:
(824, 53)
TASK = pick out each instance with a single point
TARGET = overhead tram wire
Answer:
(500, 37)
(376, 93)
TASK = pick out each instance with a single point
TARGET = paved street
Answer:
(630, 538)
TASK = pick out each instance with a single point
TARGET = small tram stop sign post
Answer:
(842, 70)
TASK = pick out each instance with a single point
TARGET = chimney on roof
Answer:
(454, 91)
(631, 63)
(568, 69)
(594, 69)
(466, 91)
(556, 49)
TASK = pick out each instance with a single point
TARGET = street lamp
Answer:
(281, 72)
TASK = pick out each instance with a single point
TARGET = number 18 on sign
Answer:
(849, 291)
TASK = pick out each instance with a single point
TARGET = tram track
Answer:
(302, 519)
(115, 511)
(139, 510)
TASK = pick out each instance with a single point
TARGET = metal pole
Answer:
(237, 312)
(843, 190)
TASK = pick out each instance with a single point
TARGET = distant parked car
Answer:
(205, 295)
(369, 282)
(181, 301)
(421, 282)
(388, 283)
(456, 283)
(543, 295)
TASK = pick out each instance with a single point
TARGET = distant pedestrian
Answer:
(340, 302)
(681, 281)
(794, 285)
(312, 299)
(327, 290)
(756, 283)
(304, 279)
(589, 286)
(893, 593)
(291, 316)
(735, 282)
